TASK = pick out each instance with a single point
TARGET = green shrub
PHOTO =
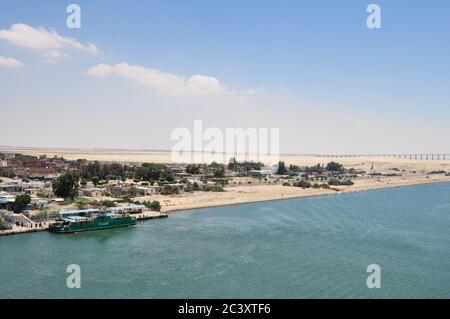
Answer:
(169, 190)
(302, 184)
(337, 182)
(213, 188)
(106, 203)
(154, 206)
(437, 172)
(347, 182)
(21, 202)
(334, 167)
(82, 201)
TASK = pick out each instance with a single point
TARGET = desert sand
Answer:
(160, 156)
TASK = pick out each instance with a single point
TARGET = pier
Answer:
(146, 215)
(414, 157)
(32, 227)
(23, 229)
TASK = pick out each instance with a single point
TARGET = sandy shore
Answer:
(258, 193)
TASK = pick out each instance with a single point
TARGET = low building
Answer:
(11, 188)
(129, 209)
(260, 173)
(118, 191)
(7, 201)
(32, 191)
(229, 173)
(57, 200)
(38, 203)
(92, 192)
(149, 190)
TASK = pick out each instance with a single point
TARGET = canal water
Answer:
(317, 247)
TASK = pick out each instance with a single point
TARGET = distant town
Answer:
(34, 189)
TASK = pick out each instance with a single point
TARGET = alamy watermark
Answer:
(374, 279)
(374, 19)
(215, 145)
(74, 279)
(74, 19)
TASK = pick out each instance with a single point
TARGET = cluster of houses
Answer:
(41, 194)
(34, 175)
(37, 168)
(22, 174)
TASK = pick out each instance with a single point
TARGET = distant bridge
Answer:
(417, 157)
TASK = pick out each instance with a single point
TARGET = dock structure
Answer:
(37, 227)
(43, 226)
(415, 157)
(145, 215)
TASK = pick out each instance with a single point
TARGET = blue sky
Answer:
(314, 69)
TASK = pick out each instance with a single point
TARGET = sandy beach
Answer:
(250, 194)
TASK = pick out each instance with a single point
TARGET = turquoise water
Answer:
(316, 247)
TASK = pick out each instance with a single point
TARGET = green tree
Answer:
(93, 169)
(95, 180)
(334, 167)
(281, 169)
(21, 202)
(66, 185)
(314, 169)
(169, 190)
(155, 206)
(219, 172)
(193, 169)
(133, 191)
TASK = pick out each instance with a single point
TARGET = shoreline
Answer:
(178, 210)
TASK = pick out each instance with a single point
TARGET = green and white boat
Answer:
(90, 219)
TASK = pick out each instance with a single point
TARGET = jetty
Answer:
(414, 157)
(146, 215)
(28, 226)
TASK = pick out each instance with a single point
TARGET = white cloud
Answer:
(255, 91)
(10, 62)
(49, 41)
(162, 82)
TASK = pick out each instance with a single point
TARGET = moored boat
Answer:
(90, 219)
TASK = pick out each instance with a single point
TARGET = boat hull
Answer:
(101, 222)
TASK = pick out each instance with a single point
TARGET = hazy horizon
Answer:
(9, 148)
